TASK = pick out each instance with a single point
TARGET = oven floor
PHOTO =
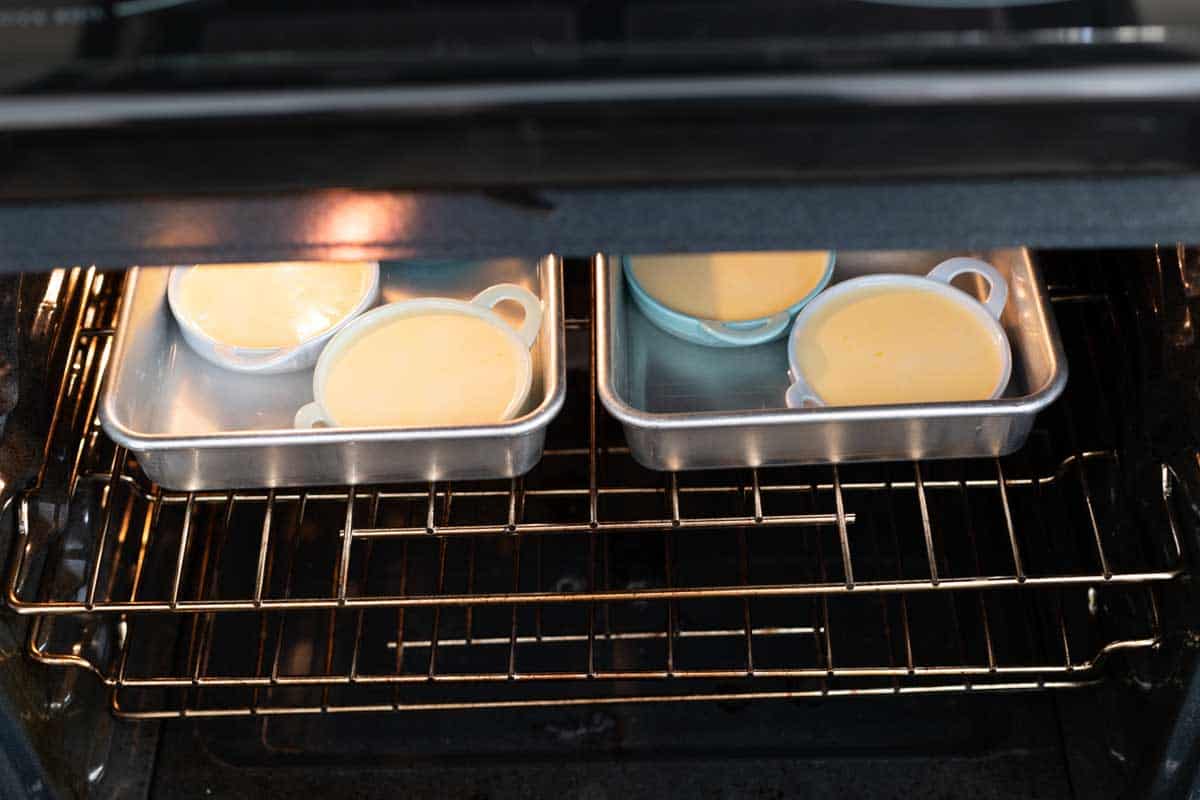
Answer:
(963, 746)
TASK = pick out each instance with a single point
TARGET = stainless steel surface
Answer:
(196, 426)
(592, 580)
(686, 406)
(925, 88)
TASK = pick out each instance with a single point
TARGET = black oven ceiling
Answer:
(837, 123)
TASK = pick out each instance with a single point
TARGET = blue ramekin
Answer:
(716, 333)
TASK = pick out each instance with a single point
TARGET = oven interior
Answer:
(1025, 622)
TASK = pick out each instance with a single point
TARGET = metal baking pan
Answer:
(686, 406)
(196, 426)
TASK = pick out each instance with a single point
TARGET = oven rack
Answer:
(593, 579)
(276, 663)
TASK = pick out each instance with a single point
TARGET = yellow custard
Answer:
(897, 345)
(432, 369)
(730, 286)
(271, 305)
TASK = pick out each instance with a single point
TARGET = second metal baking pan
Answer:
(196, 426)
(686, 406)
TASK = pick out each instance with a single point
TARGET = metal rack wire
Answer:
(592, 580)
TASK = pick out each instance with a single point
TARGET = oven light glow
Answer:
(352, 225)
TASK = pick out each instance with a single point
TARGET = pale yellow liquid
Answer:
(271, 305)
(897, 346)
(433, 369)
(730, 286)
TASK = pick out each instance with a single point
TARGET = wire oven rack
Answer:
(593, 580)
